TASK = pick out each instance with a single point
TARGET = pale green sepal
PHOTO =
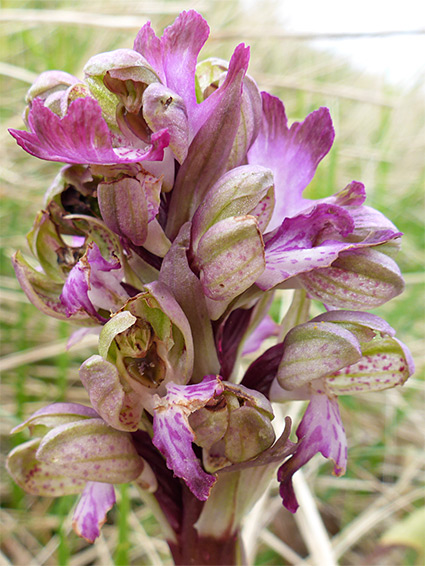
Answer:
(120, 322)
(238, 192)
(91, 450)
(230, 257)
(314, 350)
(248, 434)
(39, 478)
(118, 405)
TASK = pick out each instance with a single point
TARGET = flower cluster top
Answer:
(179, 212)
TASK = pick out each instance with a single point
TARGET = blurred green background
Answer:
(380, 140)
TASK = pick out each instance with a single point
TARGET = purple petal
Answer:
(90, 514)
(353, 194)
(150, 46)
(173, 435)
(93, 283)
(320, 430)
(42, 291)
(266, 329)
(292, 248)
(82, 136)
(181, 44)
(210, 149)
(293, 153)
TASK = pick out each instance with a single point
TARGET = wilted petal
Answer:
(90, 514)
(230, 257)
(360, 279)
(118, 406)
(293, 248)
(292, 153)
(43, 292)
(320, 430)
(92, 451)
(39, 478)
(173, 435)
(313, 350)
(93, 283)
(82, 136)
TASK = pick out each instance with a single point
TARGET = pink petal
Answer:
(82, 136)
(292, 153)
(90, 514)
(320, 430)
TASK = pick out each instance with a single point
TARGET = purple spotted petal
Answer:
(39, 478)
(230, 257)
(173, 435)
(93, 283)
(82, 136)
(90, 514)
(292, 248)
(385, 363)
(292, 153)
(320, 430)
(91, 450)
(360, 279)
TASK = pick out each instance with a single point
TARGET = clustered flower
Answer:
(177, 217)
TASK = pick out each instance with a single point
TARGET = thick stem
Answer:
(192, 549)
